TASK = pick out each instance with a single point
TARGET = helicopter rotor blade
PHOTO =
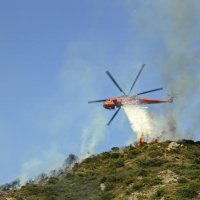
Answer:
(109, 74)
(136, 78)
(149, 91)
(97, 101)
(113, 116)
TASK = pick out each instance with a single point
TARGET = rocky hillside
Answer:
(168, 170)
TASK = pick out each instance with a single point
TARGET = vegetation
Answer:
(152, 171)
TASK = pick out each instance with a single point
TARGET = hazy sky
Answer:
(53, 58)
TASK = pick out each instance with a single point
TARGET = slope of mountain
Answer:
(167, 171)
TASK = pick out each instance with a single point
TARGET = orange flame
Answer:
(154, 141)
(141, 141)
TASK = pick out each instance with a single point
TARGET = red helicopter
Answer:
(136, 99)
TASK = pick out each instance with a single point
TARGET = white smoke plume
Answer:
(174, 25)
(93, 135)
(51, 159)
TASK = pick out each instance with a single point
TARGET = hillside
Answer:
(166, 170)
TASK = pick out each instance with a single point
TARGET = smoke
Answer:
(151, 125)
(50, 159)
(173, 26)
(93, 135)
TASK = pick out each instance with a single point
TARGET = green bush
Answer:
(53, 180)
(182, 180)
(130, 155)
(128, 181)
(118, 163)
(186, 193)
(107, 196)
(131, 147)
(136, 151)
(32, 189)
(115, 149)
(197, 161)
(187, 142)
(160, 192)
(105, 155)
(155, 162)
(109, 186)
(103, 179)
(150, 181)
(110, 178)
(143, 172)
(19, 198)
(138, 186)
(88, 160)
(154, 154)
(115, 155)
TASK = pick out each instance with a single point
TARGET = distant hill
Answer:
(165, 171)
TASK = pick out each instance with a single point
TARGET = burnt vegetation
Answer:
(152, 171)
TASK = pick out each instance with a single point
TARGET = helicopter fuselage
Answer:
(111, 103)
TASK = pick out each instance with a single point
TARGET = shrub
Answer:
(32, 189)
(75, 167)
(138, 186)
(115, 155)
(70, 160)
(19, 198)
(136, 151)
(197, 142)
(187, 193)
(131, 147)
(105, 155)
(160, 192)
(155, 162)
(110, 178)
(154, 154)
(182, 180)
(103, 179)
(197, 161)
(115, 149)
(106, 196)
(151, 181)
(187, 142)
(129, 181)
(130, 155)
(88, 160)
(109, 186)
(143, 173)
(118, 163)
(53, 180)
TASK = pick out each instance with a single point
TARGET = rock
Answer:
(103, 187)
(173, 145)
(147, 194)
(2, 193)
(168, 176)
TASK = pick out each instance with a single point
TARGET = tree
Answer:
(70, 161)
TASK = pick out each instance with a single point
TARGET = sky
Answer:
(53, 58)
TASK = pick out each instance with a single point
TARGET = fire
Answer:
(141, 141)
(154, 141)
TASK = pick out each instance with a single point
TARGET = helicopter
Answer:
(126, 99)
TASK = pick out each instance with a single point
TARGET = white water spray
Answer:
(151, 125)
(143, 122)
